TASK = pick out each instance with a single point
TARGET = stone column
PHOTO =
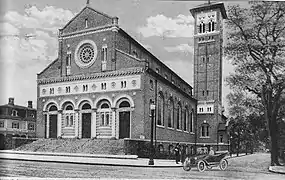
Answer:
(59, 119)
(114, 122)
(93, 123)
(47, 126)
(117, 124)
(76, 124)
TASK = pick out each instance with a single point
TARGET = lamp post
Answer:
(152, 110)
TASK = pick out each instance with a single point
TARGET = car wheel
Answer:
(223, 164)
(187, 165)
(201, 166)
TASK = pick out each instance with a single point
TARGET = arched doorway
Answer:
(2, 142)
(124, 119)
(86, 120)
(53, 121)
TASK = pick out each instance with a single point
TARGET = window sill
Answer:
(170, 128)
(180, 130)
(205, 137)
(192, 133)
(69, 127)
(160, 126)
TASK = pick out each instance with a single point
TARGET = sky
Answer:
(165, 28)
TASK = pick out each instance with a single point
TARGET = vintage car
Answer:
(206, 161)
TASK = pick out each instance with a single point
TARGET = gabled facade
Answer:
(102, 83)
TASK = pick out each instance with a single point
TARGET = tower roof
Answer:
(209, 6)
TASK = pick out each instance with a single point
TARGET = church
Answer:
(104, 83)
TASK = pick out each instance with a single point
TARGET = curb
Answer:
(270, 169)
(129, 164)
(71, 155)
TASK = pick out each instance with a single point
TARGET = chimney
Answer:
(11, 101)
(30, 104)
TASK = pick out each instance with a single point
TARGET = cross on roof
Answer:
(87, 2)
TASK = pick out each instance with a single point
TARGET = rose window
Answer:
(86, 54)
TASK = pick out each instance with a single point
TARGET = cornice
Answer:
(124, 72)
(111, 27)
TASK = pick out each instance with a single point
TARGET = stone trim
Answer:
(124, 72)
(88, 31)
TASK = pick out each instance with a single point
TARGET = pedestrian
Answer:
(212, 152)
(177, 153)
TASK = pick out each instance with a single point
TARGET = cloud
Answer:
(185, 48)
(160, 25)
(49, 18)
(22, 57)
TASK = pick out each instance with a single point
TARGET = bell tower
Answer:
(208, 40)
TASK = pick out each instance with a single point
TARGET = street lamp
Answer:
(152, 110)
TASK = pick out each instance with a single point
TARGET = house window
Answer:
(2, 124)
(135, 54)
(160, 110)
(207, 92)
(51, 90)
(205, 130)
(86, 23)
(67, 89)
(191, 121)
(203, 93)
(68, 64)
(15, 125)
(104, 114)
(221, 138)
(123, 84)
(104, 57)
(31, 126)
(200, 109)
(14, 113)
(209, 109)
(69, 116)
(85, 88)
(178, 121)
(170, 113)
(103, 86)
(151, 84)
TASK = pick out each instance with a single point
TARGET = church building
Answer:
(103, 83)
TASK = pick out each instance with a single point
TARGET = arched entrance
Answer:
(86, 120)
(124, 119)
(2, 141)
(53, 121)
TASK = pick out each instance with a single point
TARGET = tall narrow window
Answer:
(204, 27)
(210, 26)
(200, 28)
(160, 110)
(104, 57)
(178, 123)
(171, 114)
(68, 63)
(213, 26)
(86, 23)
(191, 120)
(205, 130)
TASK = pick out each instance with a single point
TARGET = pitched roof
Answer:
(86, 7)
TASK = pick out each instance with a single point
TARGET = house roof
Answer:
(17, 107)
(210, 6)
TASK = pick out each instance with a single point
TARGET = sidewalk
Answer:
(90, 159)
(277, 169)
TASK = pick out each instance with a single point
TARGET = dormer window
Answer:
(14, 113)
(86, 23)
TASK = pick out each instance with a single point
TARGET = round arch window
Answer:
(85, 53)
(124, 104)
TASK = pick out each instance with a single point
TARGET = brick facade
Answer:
(208, 40)
(115, 89)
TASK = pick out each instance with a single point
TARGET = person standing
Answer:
(212, 152)
(177, 153)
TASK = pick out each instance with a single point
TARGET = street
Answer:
(246, 167)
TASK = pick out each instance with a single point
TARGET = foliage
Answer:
(256, 47)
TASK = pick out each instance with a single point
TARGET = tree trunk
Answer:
(274, 145)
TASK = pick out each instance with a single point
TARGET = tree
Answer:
(245, 121)
(256, 46)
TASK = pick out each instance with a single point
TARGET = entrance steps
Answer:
(88, 146)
